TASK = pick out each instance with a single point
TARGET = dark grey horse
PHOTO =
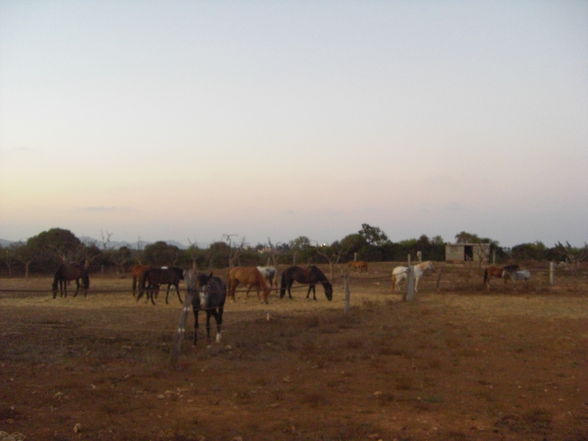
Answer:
(209, 294)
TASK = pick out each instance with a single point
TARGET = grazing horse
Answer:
(209, 294)
(517, 275)
(269, 273)
(399, 274)
(152, 278)
(136, 272)
(310, 276)
(67, 272)
(358, 265)
(250, 276)
(498, 272)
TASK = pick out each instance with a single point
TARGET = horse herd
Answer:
(148, 279)
(209, 292)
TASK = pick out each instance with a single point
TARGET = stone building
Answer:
(467, 252)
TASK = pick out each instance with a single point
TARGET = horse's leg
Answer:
(178, 292)
(208, 314)
(313, 291)
(77, 287)
(219, 323)
(290, 289)
(167, 293)
(64, 288)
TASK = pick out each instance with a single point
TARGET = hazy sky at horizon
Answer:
(187, 120)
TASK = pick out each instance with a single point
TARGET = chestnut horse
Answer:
(358, 265)
(310, 276)
(498, 272)
(249, 276)
(136, 272)
(67, 272)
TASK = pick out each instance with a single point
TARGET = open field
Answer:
(459, 364)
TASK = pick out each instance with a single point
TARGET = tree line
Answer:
(41, 254)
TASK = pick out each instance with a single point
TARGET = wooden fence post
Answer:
(347, 292)
(551, 273)
(438, 286)
(179, 335)
(409, 296)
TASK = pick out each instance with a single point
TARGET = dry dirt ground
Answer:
(458, 364)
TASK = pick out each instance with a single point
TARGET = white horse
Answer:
(269, 273)
(517, 275)
(400, 273)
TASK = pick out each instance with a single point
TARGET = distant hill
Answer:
(5, 243)
(133, 245)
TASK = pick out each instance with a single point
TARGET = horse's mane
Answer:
(312, 269)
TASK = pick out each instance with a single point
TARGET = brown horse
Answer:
(309, 276)
(136, 272)
(67, 272)
(250, 276)
(154, 277)
(358, 265)
(498, 272)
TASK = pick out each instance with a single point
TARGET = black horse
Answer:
(209, 294)
(67, 272)
(311, 276)
(152, 278)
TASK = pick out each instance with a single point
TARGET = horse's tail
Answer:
(283, 283)
(143, 278)
(486, 276)
(55, 283)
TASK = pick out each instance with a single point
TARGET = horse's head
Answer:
(328, 290)
(203, 289)
(85, 280)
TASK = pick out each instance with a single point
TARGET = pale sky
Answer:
(183, 120)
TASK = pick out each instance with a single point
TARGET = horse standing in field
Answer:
(152, 278)
(67, 272)
(136, 272)
(358, 265)
(249, 276)
(498, 272)
(269, 273)
(209, 294)
(400, 273)
(310, 276)
(517, 275)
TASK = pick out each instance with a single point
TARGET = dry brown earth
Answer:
(459, 364)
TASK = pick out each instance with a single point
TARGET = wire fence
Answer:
(446, 277)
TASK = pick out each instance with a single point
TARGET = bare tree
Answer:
(332, 254)
(193, 252)
(234, 250)
(272, 258)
